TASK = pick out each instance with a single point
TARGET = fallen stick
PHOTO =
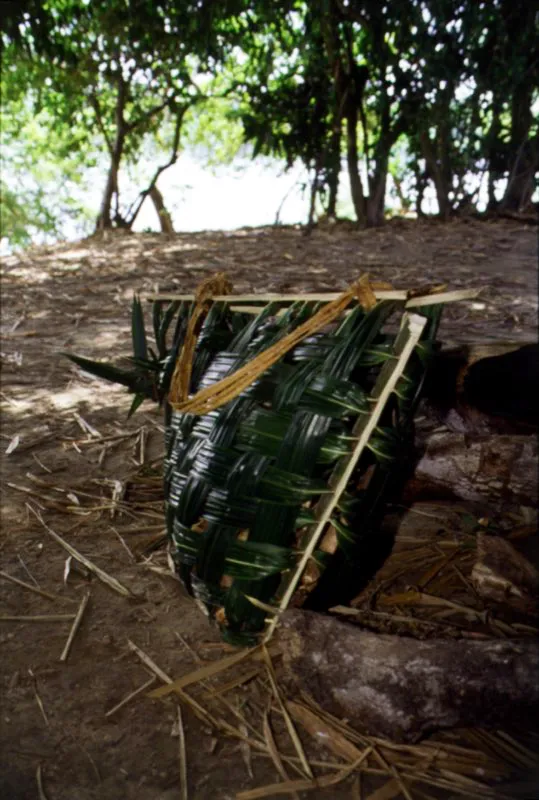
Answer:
(402, 688)
(28, 586)
(37, 618)
(100, 573)
(131, 696)
(74, 628)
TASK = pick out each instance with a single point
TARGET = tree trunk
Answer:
(524, 154)
(356, 187)
(493, 150)
(402, 688)
(421, 185)
(378, 182)
(165, 220)
(134, 211)
(312, 201)
(333, 171)
(376, 199)
(521, 181)
(436, 173)
(331, 210)
(105, 219)
(404, 201)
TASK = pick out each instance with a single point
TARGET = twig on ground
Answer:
(142, 450)
(41, 464)
(101, 574)
(394, 772)
(131, 696)
(86, 427)
(37, 618)
(28, 586)
(39, 780)
(287, 718)
(38, 698)
(305, 784)
(273, 749)
(124, 545)
(182, 756)
(209, 670)
(25, 568)
(74, 628)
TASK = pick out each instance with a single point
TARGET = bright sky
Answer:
(201, 198)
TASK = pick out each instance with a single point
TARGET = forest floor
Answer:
(72, 464)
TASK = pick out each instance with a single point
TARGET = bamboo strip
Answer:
(323, 297)
(315, 297)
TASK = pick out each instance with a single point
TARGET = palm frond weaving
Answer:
(244, 483)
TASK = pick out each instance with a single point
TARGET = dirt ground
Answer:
(68, 460)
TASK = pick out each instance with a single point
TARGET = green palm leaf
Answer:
(138, 331)
(106, 371)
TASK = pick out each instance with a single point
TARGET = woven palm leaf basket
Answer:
(289, 425)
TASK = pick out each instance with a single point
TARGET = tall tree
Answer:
(120, 69)
(469, 106)
(286, 94)
(509, 68)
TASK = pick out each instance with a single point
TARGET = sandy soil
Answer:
(76, 297)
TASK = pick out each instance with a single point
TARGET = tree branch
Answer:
(152, 112)
(180, 113)
(101, 125)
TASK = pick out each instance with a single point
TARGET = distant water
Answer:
(244, 194)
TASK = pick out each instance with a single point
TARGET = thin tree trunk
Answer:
(312, 203)
(104, 220)
(524, 155)
(376, 200)
(334, 170)
(493, 150)
(378, 182)
(133, 212)
(521, 181)
(436, 172)
(165, 220)
(356, 187)
(340, 90)
(420, 182)
(405, 203)
(331, 209)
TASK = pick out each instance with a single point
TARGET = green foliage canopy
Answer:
(406, 94)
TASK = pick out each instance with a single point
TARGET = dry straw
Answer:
(230, 387)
